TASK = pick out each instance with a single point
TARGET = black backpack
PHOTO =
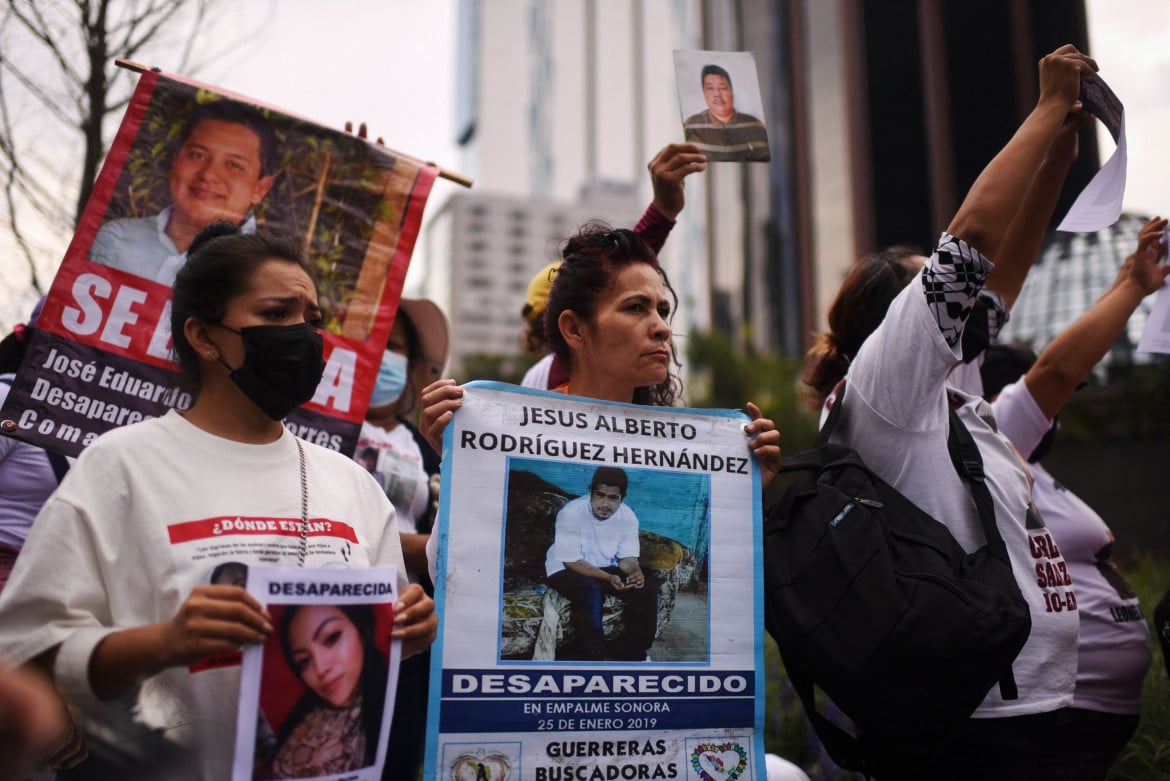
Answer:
(874, 602)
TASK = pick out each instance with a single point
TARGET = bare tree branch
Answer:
(39, 28)
(12, 174)
(96, 99)
(59, 89)
(201, 11)
(18, 181)
(135, 39)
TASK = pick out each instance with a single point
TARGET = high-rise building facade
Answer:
(904, 103)
(483, 250)
(880, 114)
(561, 105)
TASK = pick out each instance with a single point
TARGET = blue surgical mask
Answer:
(391, 379)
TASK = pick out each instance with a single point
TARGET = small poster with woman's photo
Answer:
(316, 699)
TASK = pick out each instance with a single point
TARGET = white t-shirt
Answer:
(149, 512)
(394, 459)
(432, 551)
(581, 537)
(1114, 642)
(895, 416)
(537, 376)
(780, 769)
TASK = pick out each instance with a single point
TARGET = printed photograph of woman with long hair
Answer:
(335, 723)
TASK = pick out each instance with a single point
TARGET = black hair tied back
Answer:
(210, 233)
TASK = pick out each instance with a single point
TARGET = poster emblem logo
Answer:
(718, 761)
(481, 766)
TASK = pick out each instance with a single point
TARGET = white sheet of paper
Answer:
(1099, 204)
(375, 587)
(1156, 335)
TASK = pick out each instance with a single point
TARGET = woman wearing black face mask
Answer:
(112, 592)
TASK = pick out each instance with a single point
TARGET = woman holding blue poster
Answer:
(608, 319)
(112, 593)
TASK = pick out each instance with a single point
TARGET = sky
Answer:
(1130, 39)
(392, 64)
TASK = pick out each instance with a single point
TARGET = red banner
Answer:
(185, 155)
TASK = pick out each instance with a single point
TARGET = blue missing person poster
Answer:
(599, 590)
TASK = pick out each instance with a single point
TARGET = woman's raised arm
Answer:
(997, 195)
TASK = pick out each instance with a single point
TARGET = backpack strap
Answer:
(969, 464)
(845, 749)
(833, 416)
(59, 464)
(965, 457)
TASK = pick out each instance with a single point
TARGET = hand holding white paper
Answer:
(1099, 204)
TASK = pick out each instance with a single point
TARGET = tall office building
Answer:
(561, 105)
(880, 114)
(905, 102)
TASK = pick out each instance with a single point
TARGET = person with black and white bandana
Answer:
(896, 363)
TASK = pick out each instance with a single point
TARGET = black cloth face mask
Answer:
(282, 366)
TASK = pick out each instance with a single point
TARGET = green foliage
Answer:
(735, 376)
(495, 366)
(1130, 408)
(1147, 756)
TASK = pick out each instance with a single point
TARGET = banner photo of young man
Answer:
(316, 700)
(605, 557)
(187, 155)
